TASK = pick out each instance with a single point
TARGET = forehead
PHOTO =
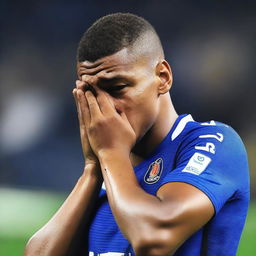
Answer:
(123, 62)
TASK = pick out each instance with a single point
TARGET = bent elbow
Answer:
(155, 245)
(35, 246)
(30, 248)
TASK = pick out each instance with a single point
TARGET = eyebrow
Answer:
(112, 79)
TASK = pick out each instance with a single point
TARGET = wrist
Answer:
(92, 169)
(92, 162)
(89, 176)
(113, 155)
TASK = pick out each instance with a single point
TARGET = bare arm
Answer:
(61, 235)
(64, 234)
(154, 225)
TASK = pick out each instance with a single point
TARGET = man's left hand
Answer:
(108, 129)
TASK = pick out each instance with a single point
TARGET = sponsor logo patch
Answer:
(154, 171)
(197, 164)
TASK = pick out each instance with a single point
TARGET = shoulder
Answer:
(211, 156)
(216, 134)
(215, 147)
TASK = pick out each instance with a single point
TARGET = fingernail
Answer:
(79, 92)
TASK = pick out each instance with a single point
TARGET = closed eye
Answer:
(116, 88)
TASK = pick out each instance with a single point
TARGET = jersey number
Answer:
(218, 136)
(210, 147)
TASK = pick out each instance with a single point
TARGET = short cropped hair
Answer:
(110, 34)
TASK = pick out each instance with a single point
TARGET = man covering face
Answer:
(154, 182)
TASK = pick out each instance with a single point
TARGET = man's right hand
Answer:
(90, 157)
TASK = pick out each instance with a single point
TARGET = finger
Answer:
(111, 102)
(105, 96)
(81, 121)
(93, 105)
(124, 117)
(84, 108)
(81, 85)
(74, 92)
(106, 106)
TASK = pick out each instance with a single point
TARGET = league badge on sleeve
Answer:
(154, 171)
(197, 164)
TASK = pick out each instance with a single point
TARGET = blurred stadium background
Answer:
(209, 44)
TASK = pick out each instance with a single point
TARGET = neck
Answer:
(157, 132)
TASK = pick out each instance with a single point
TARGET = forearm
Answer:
(56, 236)
(135, 210)
(153, 224)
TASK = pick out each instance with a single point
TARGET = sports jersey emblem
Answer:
(154, 171)
(197, 164)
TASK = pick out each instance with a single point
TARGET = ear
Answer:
(164, 73)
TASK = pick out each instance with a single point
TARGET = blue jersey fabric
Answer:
(209, 156)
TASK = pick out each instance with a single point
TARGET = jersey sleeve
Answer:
(214, 160)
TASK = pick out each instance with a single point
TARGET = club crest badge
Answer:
(154, 171)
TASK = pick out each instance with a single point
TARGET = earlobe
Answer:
(165, 75)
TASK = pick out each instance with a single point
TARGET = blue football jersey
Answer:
(209, 156)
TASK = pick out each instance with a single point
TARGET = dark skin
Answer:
(127, 111)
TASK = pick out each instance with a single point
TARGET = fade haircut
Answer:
(111, 33)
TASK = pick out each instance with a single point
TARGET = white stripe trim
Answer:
(181, 126)
(103, 186)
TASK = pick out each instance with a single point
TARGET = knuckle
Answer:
(111, 119)
(91, 128)
(99, 123)
(91, 104)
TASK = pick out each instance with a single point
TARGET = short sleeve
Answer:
(214, 160)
